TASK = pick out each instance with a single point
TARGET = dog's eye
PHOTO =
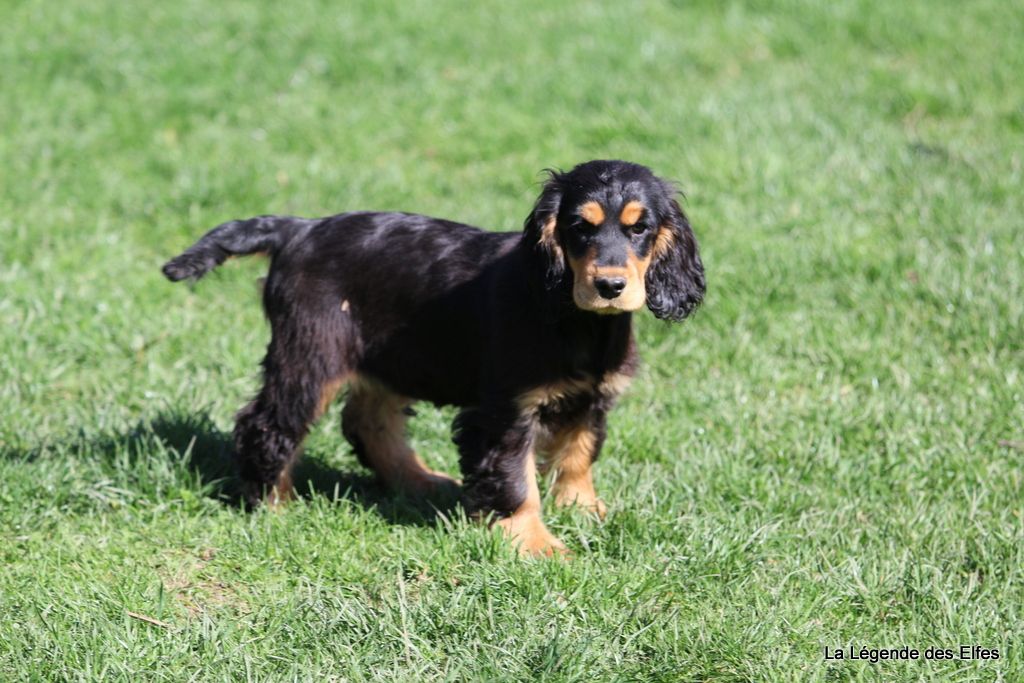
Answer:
(638, 228)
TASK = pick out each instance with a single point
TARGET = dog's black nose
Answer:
(610, 287)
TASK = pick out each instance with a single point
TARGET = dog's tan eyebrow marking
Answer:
(631, 213)
(592, 213)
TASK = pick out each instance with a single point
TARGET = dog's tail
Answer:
(263, 234)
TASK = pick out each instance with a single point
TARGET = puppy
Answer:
(528, 334)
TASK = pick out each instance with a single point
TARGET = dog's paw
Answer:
(527, 532)
(586, 502)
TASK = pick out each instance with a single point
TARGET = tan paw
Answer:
(532, 539)
(587, 502)
(279, 496)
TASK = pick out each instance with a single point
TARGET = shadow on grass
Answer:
(193, 442)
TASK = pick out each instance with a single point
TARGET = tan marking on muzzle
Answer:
(585, 293)
(631, 213)
(592, 213)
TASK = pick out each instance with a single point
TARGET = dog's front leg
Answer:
(499, 468)
(570, 453)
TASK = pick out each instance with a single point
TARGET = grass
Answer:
(829, 454)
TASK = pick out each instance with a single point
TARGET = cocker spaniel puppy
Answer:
(528, 334)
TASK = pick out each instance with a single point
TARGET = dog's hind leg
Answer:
(374, 421)
(302, 373)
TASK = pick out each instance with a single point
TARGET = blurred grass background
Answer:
(828, 453)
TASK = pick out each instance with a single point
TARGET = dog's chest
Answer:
(564, 394)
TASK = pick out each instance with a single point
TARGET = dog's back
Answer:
(400, 296)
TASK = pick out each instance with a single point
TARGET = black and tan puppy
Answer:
(529, 334)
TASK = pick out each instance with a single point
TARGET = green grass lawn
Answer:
(828, 454)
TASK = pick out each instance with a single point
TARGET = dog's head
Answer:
(619, 233)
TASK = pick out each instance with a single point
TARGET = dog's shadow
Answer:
(209, 453)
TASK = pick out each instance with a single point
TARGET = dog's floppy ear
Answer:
(539, 231)
(675, 278)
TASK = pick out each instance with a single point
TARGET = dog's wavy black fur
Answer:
(529, 334)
